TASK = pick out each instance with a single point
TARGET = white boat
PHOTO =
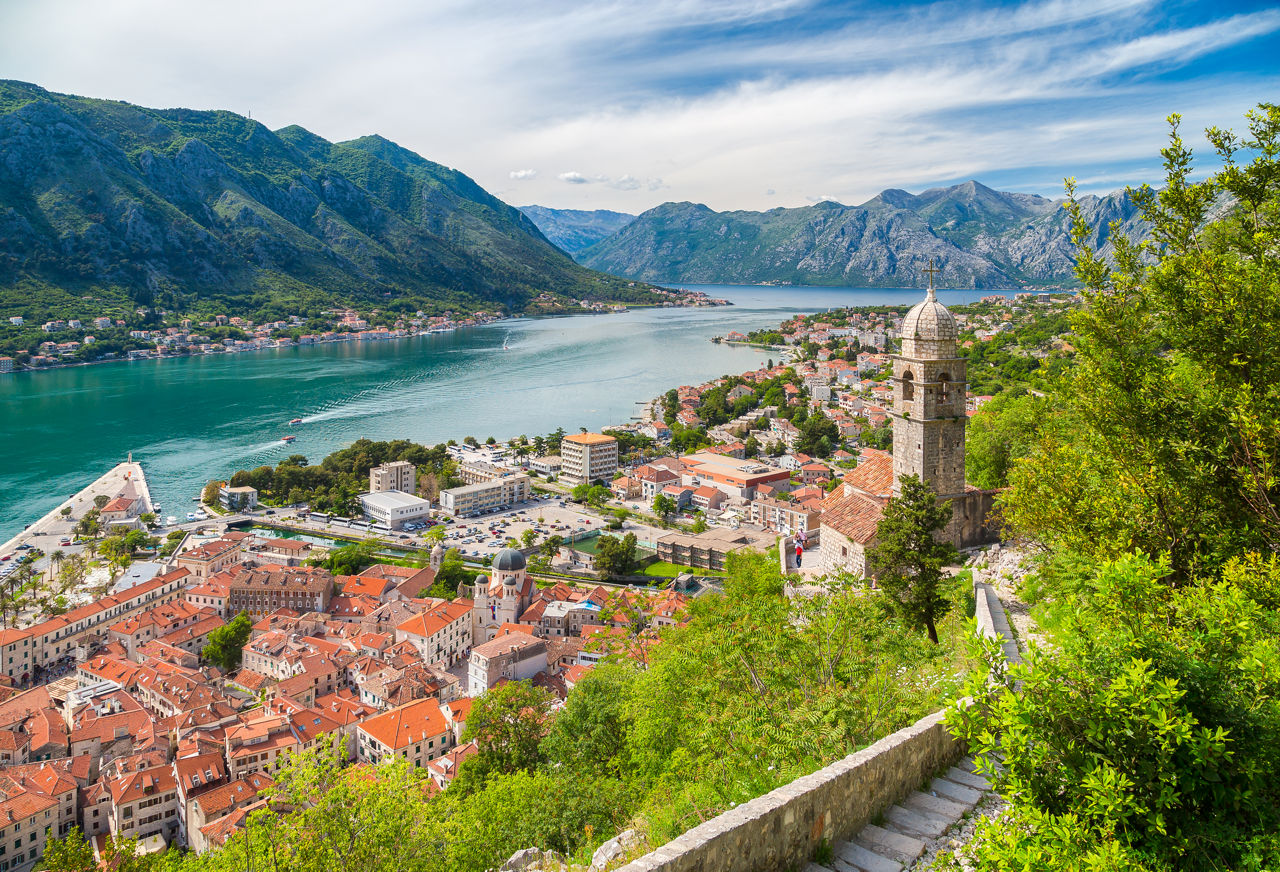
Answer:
(171, 520)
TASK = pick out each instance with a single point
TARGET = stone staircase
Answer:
(908, 827)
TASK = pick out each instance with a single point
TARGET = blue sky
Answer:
(739, 104)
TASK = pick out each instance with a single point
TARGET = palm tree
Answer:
(55, 563)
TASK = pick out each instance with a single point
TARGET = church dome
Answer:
(930, 320)
(508, 560)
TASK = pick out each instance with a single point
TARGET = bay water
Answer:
(191, 419)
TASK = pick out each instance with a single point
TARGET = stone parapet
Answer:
(782, 829)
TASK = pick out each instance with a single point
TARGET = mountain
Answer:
(575, 229)
(981, 238)
(106, 205)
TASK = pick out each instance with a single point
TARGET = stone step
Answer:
(864, 860)
(947, 789)
(914, 823)
(896, 846)
(936, 805)
(968, 778)
(814, 867)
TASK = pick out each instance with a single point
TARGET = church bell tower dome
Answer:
(929, 330)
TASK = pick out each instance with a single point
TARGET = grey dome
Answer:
(508, 560)
(929, 320)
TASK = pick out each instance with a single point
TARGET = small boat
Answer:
(295, 421)
(171, 520)
(288, 438)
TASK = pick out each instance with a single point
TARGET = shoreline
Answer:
(356, 337)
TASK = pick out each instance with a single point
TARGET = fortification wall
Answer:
(782, 829)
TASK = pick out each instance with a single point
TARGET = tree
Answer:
(225, 644)
(818, 434)
(581, 492)
(907, 558)
(434, 534)
(527, 537)
(751, 447)
(1168, 438)
(507, 724)
(101, 500)
(1003, 431)
(452, 573)
(209, 496)
(663, 506)
(598, 495)
(615, 556)
(65, 511)
(552, 545)
(73, 853)
(699, 523)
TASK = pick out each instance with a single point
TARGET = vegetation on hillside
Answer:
(106, 207)
(1148, 735)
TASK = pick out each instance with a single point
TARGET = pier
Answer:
(48, 532)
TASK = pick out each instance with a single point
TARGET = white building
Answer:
(476, 499)
(399, 475)
(588, 457)
(394, 508)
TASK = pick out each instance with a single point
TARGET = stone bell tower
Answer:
(929, 399)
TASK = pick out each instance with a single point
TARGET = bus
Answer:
(320, 517)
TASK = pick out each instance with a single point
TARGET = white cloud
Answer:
(693, 98)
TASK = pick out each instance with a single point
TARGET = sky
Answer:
(738, 104)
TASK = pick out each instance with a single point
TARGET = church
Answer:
(501, 598)
(929, 383)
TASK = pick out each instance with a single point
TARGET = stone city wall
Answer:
(782, 829)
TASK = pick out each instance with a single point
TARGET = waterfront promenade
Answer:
(47, 532)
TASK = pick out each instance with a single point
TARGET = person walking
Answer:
(799, 553)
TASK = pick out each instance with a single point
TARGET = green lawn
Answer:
(670, 570)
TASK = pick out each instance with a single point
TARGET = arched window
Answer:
(908, 386)
(944, 388)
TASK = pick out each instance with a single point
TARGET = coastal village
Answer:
(126, 717)
(76, 341)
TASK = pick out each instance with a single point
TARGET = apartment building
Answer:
(477, 499)
(588, 457)
(399, 475)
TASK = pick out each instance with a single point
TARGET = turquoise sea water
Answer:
(195, 418)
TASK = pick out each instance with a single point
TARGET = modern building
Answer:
(398, 475)
(394, 508)
(729, 475)
(588, 457)
(708, 550)
(477, 499)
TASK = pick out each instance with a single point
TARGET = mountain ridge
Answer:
(981, 237)
(105, 205)
(575, 229)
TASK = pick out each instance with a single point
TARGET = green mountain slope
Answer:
(982, 238)
(575, 229)
(105, 205)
